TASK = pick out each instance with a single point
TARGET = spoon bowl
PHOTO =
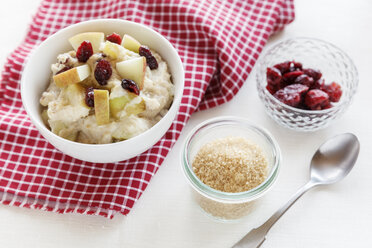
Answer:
(334, 159)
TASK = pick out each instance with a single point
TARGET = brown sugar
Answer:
(231, 164)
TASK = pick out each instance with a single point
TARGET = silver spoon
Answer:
(333, 160)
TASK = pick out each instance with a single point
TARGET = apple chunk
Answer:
(74, 75)
(133, 69)
(96, 38)
(117, 104)
(101, 106)
(76, 95)
(112, 49)
(136, 108)
(130, 43)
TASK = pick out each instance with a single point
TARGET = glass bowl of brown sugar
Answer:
(229, 163)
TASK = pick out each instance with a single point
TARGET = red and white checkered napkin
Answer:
(218, 41)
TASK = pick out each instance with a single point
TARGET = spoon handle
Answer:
(257, 236)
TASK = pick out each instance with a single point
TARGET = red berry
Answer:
(288, 66)
(296, 65)
(318, 84)
(273, 76)
(315, 74)
(290, 77)
(271, 88)
(84, 51)
(114, 38)
(130, 85)
(66, 68)
(328, 106)
(292, 95)
(103, 71)
(283, 67)
(333, 90)
(305, 80)
(150, 59)
(316, 99)
(89, 97)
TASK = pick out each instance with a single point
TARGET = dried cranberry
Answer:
(316, 99)
(114, 38)
(290, 77)
(318, 84)
(130, 85)
(66, 68)
(89, 97)
(328, 106)
(150, 59)
(272, 88)
(273, 76)
(84, 51)
(283, 67)
(305, 80)
(283, 84)
(315, 74)
(292, 95)
(103, 71)
(296, 65)
(302, 105)
(333, 90)
(288, 66)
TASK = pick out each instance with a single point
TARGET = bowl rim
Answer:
(343, 101)
(228, 197)
(175, 103)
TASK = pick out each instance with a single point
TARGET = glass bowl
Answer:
(224, 205)
(335, 65)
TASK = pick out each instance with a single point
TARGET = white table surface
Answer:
(335, 216)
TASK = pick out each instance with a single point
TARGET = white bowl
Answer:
(36, 74)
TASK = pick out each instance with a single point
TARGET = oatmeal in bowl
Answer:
(93, 90)
(107, 89)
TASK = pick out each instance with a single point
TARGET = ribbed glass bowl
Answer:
(335, 65)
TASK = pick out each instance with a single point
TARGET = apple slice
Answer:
(74, 75)
(133, 69)
(117, 104)
(101, 106)
(76, 95)
(130, 43)
(96, 38)
(136, 108)
(111, 49)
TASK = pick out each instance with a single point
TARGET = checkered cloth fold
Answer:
(218, 41)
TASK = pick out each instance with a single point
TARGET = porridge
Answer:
(106, 89)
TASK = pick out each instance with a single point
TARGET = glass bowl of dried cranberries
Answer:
(305, 83)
